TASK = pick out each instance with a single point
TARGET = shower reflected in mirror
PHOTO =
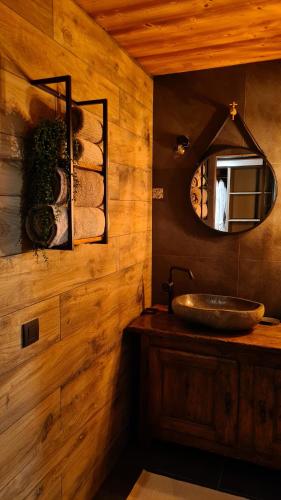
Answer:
(233, 190)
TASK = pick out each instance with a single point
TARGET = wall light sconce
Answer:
(182, 145)
(233, 111)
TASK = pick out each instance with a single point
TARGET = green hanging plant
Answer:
(47, 183)
(45, 153)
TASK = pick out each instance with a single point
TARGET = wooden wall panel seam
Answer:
(62, 61)
(106, 463)
(94, 34)
(91, 294)
(54, 259)
(89, 447)
(94, 358)
(59, 296)
(99, 464)
(28, 10)
(11, 353)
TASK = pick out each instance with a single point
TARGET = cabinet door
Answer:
(267, 410)
(193, 395)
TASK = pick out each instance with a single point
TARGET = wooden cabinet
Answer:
(193, 394)
(219, 391)
(267, 410)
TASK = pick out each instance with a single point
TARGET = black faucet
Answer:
(168, 286)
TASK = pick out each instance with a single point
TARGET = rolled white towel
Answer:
(91, 154)
(90, 188)
(86, 125)
(61, 187)
(61, 223)
(88, 222)
(47, 225)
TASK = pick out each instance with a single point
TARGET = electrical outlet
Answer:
(158, 193)
(30, 332)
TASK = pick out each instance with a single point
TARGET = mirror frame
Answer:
(220, 149)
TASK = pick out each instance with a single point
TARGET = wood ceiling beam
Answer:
(133, 15)
(182, 35)
(205, 38)
(110, 7)
(213, 57)
(143, 15)
(248, 16)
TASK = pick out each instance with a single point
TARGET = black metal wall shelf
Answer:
(66, 96)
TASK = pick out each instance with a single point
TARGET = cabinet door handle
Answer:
(262, 411)
(228, 403)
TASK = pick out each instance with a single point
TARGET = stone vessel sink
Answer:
(218, 311)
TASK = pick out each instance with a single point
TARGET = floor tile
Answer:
(155, 487)
(256, 482)
(188, 464)
(170, 460)
(192, 466)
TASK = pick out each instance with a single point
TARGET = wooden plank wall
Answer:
(65, 400)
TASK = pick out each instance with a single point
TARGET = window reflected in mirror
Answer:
(233, 192)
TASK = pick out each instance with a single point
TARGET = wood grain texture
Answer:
(130, 126)
(65, 400)
(98, 434)
(172, 37)
(30, 441)
(220, 56)
(96, 307)
(134, 183)
(10, 225)
(10, 178)
(25, 39)
(38, 13)
(27, 385)
(134, 248)
(77, 404)
(203, 382)
(129, 217)
(42, 449)
(113, 182)
(134, 116)
(128, 149)
(22, 279)
(23, 105)
(230, 382)
(262, 339)
(11, 147)
(11, 352)
(70, 21)
(93, 479)
(49, 488)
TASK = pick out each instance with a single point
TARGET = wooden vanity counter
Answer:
(215, 390)
(162, 326)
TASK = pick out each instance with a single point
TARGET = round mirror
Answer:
(233, 190)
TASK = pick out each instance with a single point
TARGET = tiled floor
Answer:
(194, 466)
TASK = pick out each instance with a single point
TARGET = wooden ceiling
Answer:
(167, 36)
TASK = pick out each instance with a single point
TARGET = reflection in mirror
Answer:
(233, 191)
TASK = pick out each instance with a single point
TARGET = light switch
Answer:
(30, 332)
(158, 193)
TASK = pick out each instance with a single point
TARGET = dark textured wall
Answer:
(247, 265)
